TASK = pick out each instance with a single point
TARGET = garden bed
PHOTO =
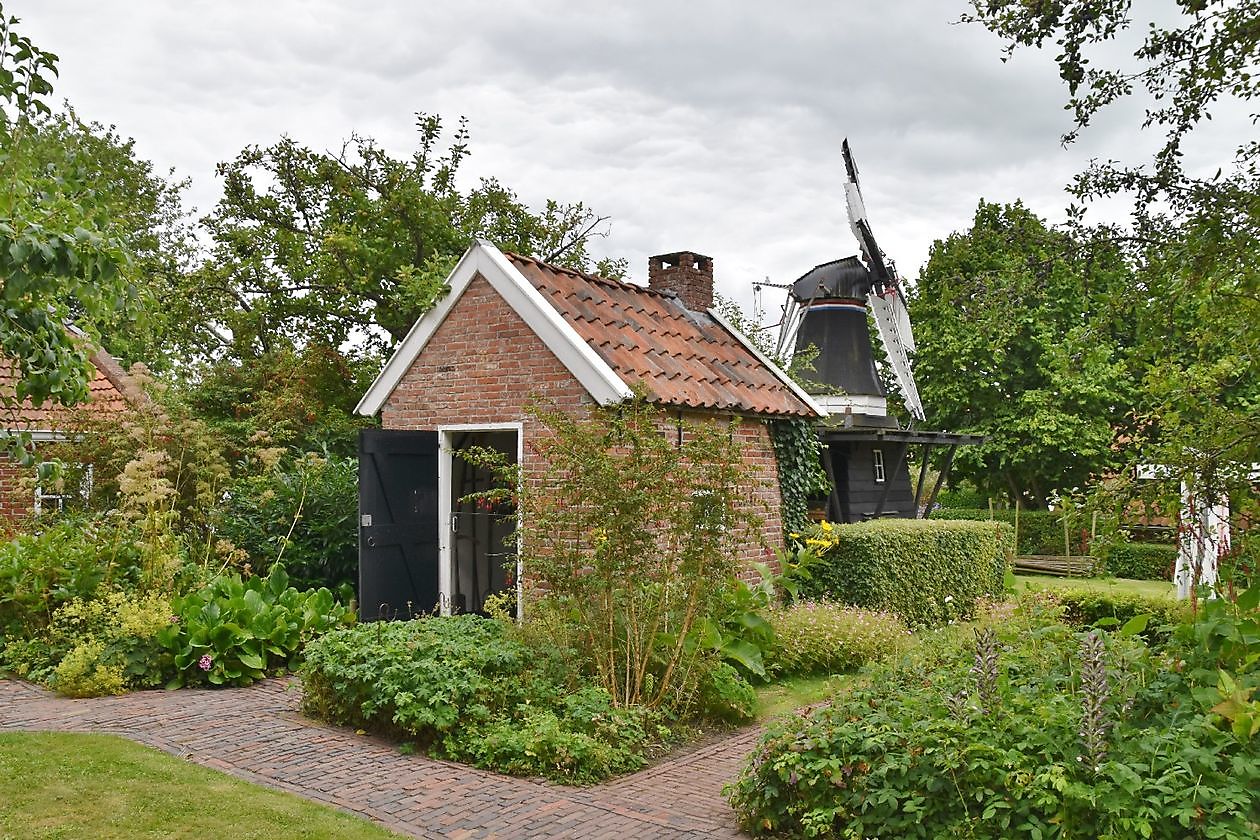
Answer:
(1035, 725)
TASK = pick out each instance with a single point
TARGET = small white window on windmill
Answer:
(878, 458)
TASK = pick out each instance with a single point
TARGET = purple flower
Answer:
(204, 662)
(174, 619)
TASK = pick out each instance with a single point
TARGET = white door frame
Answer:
(446, 504)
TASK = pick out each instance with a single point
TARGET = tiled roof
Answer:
(682, 358)
(109, 392)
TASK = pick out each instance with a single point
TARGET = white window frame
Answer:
(877, 456)
(446, 455)
(84, 492)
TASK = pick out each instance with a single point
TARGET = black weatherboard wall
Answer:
(398, 527)
(857, 491)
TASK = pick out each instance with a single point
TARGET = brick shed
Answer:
(110, 391)
(511, 329)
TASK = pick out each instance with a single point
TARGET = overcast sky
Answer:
(693, 126)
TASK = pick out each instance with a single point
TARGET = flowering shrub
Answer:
(104, 645)
(464, 688)
(1031, 729)
(926, 572)
(816, 637)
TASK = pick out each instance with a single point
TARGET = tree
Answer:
(301, 399)
(1209, 54)
(62, 259)
(1016, 341)
(1195, 304)
(142, 209)
(315, 247)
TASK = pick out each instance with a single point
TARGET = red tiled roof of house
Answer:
(110, 391)
(682, 358)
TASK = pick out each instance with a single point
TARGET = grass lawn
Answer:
(104, 787)
(793, 693)
(1154, 588)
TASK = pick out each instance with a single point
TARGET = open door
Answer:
(481, 551)
(398, 524)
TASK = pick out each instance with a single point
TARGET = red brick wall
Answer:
(17, 494)
(481, 366)
(484, 363)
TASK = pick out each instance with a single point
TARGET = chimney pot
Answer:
(685, 273)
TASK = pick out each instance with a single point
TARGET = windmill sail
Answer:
(891, 318)
(885, 300)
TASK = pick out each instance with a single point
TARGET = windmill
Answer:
(866, 449)
(827, 308)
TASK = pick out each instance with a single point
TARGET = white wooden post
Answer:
(1204, 539)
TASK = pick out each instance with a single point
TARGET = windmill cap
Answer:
(844, 278)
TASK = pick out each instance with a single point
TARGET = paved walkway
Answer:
(258, 734)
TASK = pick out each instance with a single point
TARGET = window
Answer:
(54, 497)
(879, 465)
(707, 510)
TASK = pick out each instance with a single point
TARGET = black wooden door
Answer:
(398, 527)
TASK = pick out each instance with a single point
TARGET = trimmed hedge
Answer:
(1085, 608)
(1142, 561)
(927, 572)
(1040, 531)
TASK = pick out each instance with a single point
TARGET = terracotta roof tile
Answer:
(104, 396)
(682, 358)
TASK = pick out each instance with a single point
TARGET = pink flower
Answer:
(174, 619)
(204, 662)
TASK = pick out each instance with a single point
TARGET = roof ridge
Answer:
(593, 278)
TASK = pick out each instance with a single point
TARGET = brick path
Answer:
(258, 734)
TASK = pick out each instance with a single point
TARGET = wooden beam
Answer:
(940, 479)
(833, 499)
(918, 489)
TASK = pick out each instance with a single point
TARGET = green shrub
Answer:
(585, 740)
(304, 514)
(726, 696)
(1142, 561)
(927, 572)
(1035, 732)
(234, 631)
(814, 637)
(961, 497)
(463, 688)
(1085, 607)
(1040, 531)
(737, 630)
(69, 559)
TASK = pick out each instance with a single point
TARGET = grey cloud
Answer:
(705, 125)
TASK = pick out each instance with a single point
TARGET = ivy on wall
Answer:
(798, 453)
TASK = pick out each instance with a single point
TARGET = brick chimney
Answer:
(685, 273)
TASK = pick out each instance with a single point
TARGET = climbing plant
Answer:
(798, 453)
